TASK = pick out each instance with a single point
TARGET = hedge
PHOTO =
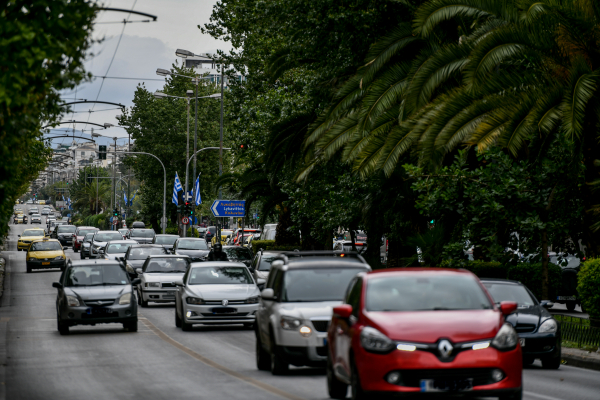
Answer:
(588, 286)
(270, 245)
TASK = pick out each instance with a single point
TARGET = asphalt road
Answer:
(161, 361)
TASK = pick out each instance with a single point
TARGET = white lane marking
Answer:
(540, 396)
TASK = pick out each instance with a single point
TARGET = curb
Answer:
(581, 358)
(2, 274)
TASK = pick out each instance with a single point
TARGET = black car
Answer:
(539, 333)
(210, 233)
(64, 234)
(239, 254)
(142, 235)
(195, 248)
(95, 292)
(166, 241)
(136, 256)
(201, 232)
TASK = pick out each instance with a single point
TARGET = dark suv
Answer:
(64, 234)
(142, 235)
(210, 233)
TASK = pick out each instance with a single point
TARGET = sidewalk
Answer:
(581, 358)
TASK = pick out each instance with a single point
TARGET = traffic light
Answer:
(101, 152)
(116, 212)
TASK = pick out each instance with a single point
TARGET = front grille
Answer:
(480, 376)
(321, 326)
(524, 328)
(220, 302)
(99, 303)
(224, 316)
(168, 284)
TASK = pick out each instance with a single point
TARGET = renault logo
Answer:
(445, 348)
(225, 302)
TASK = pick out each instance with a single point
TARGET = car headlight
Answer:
(506, 338)
(252, 300)
(125, 299)
(548, 326)
(290, 323)
(59, 258)
(194, 300)
(152, 284)
(73, 301)
(374, 341)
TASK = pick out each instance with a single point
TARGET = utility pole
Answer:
(113, 197)
(129, 181)
(189, 93)
(221, 146)
(194, 195)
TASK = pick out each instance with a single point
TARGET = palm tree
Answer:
(91, 194)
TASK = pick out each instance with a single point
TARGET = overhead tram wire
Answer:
(133, 79)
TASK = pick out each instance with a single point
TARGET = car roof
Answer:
(419, 270)
(167, 256)
(87, 227)
(106, 232)
(217, 264)
(44, 240)
(34, 229)
(192, 238)
(123, 241)
(102, 261)
(327, 262)
(147, 245)
(166, 234)
(498, 280)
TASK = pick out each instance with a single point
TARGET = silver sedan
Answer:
(216, 293)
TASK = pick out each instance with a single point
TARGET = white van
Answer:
(269, 232)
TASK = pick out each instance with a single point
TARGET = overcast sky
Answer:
(143, 48)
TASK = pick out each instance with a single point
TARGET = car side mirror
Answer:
(508, 307)
(343, 311)
(19, 235)
(136, 281)
(546, 304)
(267, 294)
(139, 271)
(57, 285)
(121, 258)
(178, 282)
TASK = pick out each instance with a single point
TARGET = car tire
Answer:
(249, 325)
(131, 326)
(278, 365)
(263, 358)
(82, 256)
(141, 300)
(185, 326)
(75, 251)
(571, 305)
(357, 392)
(63, 327)
(177, 320)
(336, 388)
(527, 360)
(29, 269)
(551, 363)
(513, 396)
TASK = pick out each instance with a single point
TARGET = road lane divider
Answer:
(256, 383)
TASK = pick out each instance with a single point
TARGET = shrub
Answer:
(262, 244)
(190, 234)
(530, 275)
(588, 286)
(172, 230)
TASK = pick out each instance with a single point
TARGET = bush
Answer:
(530, 275)
(588, 286)
(195, 234)
(172, 230)
(483, 269)
(262, 244)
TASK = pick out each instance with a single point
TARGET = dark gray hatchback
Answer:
(95, 292)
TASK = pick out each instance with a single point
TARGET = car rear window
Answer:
(83, 232)
(411, 292)
(509, 292)
(143, 253)
(66, 229)
(114, 248)
(167, 265)
(220, 276)
(33, 232)
(238, 253)
(265, 262)
(45, 246)
(192, 245)
(148, 233)
(319, 284)
(170, 240)
(107, 237)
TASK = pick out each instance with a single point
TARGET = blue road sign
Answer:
(229, 208)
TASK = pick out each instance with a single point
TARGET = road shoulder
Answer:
(581, 358)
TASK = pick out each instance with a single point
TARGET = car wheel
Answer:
(263, 359)
(356, 388)
(82, 256)
(249, 326)
(63, 327)
(278, 365)
(131, 326)
(336, 388)
(513, 396)
(185, 326)
(29, 269)
(141, 300)
(528, 360)
(551, 363)
(177, 320)
(75, 251)
(571, 305)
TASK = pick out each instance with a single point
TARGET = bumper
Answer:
(23, 246)
(76, 245)
(159, 295)
(42, 264)
(81, 315)
(65, 241)
(541, 345)
(85, 251)
(416, 365)
(298, 350)
(205, 314)
(93, 253)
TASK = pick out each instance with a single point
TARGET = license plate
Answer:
(566, 298)
(46, 263)
(443, 385)
(522, 342)
(168, 296)
(99, 311)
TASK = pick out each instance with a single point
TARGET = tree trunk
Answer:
(545, 282)
(284, 237)
(155, 225)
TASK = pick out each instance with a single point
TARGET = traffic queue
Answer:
(409, 331)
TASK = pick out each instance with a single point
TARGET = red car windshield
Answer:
(405, 292)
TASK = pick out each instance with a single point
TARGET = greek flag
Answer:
(125, 197)
(132, 198)
(176, 188)
(197, 190)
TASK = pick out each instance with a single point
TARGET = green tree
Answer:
(42, 47)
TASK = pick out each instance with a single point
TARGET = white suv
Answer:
(297, 304)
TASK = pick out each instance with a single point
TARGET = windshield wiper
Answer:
(106, 284)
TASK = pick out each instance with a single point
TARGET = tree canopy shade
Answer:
(43, 44)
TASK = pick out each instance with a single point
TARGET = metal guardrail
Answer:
(579, 330)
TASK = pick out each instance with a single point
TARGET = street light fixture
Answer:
(162, 72)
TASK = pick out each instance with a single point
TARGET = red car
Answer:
(420, 332)
(80, 234)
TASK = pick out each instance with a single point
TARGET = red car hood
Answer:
(429, 326)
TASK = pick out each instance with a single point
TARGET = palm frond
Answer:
(583, 85)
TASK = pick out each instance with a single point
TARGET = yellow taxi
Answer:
(18, 219)
(28, 236)
(45, 253)
(225, 234)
